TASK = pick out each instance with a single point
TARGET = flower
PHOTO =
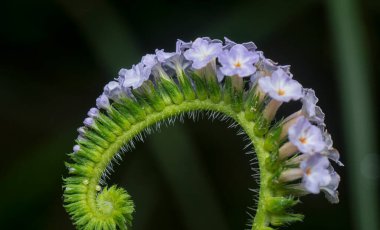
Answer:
(307, 137)
(315, 173)
(181, 46)
(81, 131)
(162, 56)
(281, 87)
(134, 77)
(102, 102)
(265, 67)
(238, 61)
(178, 63)
(76, 148)
(329, 150)
(149, 60)
(113, 90)
(88, 122)
(310, 109)
(229, 44)
(330, 190)
(93, 112)
(202, 51)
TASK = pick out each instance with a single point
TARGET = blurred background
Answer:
(56, 56)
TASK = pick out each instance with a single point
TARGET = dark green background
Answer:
(56, 56)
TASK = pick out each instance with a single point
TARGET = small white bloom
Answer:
(307, 137)
(102, 102)
(281, 87)
(229, 44)
(202, 52)
(238, 61)
(88, 122)
(181, 46)
(315, 173)
(81, 131)
(329, 150)
(76, 148)
(162, 56)
(133, 77)
(113, 90)
(93, 112)
(310, 109)
(177, 63)
(330, 190)
(149, 60)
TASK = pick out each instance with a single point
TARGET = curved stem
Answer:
(260, 220)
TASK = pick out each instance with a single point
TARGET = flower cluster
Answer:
(309, 146)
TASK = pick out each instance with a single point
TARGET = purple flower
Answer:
(178, 63)
(133, 77)
(307, 137)
(163, 56)
(102, 102)
(265, 67)
(238, 61)
(149, 60)
(310, 109)
(113, 90)
(202, 52)
(281, 87)
(229, 44)
(76, 148)
(88, 122)
(181, 46)
(315, 173)
(330, 190)
(329, 150)
(93, 112)
(81, 131)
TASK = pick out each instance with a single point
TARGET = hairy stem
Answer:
(260, 220)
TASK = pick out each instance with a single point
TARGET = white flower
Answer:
(102, 102)
(181, 46)
(93, 112)
(238, 61)
(81, 131)
(307, 137)
(133, 77)
(229, 44)
(315, 173)
(113, 90)
(162, 56)
(202, 52)
(88, 122)
(310, 109)
(281, 87)
(149, 60)
(330, 190)
(76, 148)
(329, 150)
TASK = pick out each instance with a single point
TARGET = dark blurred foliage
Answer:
(57, 55)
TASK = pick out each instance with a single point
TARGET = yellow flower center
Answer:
(281, 92)
(303, 140)
(238, 64)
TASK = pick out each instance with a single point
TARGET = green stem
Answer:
(260, 221)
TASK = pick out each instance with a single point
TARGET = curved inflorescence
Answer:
(232, 79)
